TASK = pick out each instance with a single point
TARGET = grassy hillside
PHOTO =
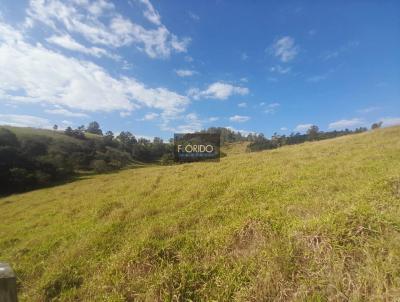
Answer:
(235, 148)
(27, 132)
(318, 221)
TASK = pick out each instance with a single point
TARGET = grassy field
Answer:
(313, 222)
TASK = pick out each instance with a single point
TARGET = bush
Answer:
(100, 166)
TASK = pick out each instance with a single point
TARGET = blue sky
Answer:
(159, 67)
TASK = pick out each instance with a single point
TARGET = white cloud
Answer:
(24, 121)
(342, 124)
(193, 16)
(242, 105)
(344, 48)
(65, 112)
(271, 108)
(285, 49)
(124, 113)
(312, 32)
(150, 116)
(243, 132)
(99, 23)
(218, 90)
(244, 80)
(284, 129)
(150, 13)
(40, 75)
(67, 42)
(192, 123)
(369, 109)
(390, 121)
(302, 127)
(213, 119)
(239, 118)
(188, 59)
(244, 56)
(185, 72)
(279, 69)
(317, 78)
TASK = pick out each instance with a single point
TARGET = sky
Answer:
(155, 68)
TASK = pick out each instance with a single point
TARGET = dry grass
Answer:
(314, 222)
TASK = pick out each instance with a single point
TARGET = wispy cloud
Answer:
(271, 108)
(336, 53)
(67, 42)
(390, 121)
(285, 49)
(185, 72)
(279, 69)
(342, 124)
(65, 112)
(317, 78)
(150, 13)
(242, 131)
(99, 23)
(18, 120)
(218, 90)
(312, 32)
(188, 59)
(239, 118)
(150, 116)
(194, 16)
(192, 123)
(242, 105)
(125, 114)
(369, 109)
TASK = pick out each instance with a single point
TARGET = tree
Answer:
(8, 138)
(108, 138)
(312, 132)
(157, 140)
(94, 128)
(376, 125)
(68, 131)
(55, 127)
(127, 140)
(110, 134)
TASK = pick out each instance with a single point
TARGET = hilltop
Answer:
(317, 221)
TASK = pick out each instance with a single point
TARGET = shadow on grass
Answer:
(81, 175)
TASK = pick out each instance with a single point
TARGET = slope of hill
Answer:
(318, 221)
(235, 148)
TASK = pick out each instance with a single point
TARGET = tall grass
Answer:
(318, 221)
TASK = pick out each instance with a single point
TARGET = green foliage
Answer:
(8, 138)
(36, 157)
(100, 166)
(259, 142)
(376, 125)
(94, 128)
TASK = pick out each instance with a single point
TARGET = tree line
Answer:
(260, 142)
(37, 160)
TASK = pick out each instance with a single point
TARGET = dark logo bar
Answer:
(189, 147)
